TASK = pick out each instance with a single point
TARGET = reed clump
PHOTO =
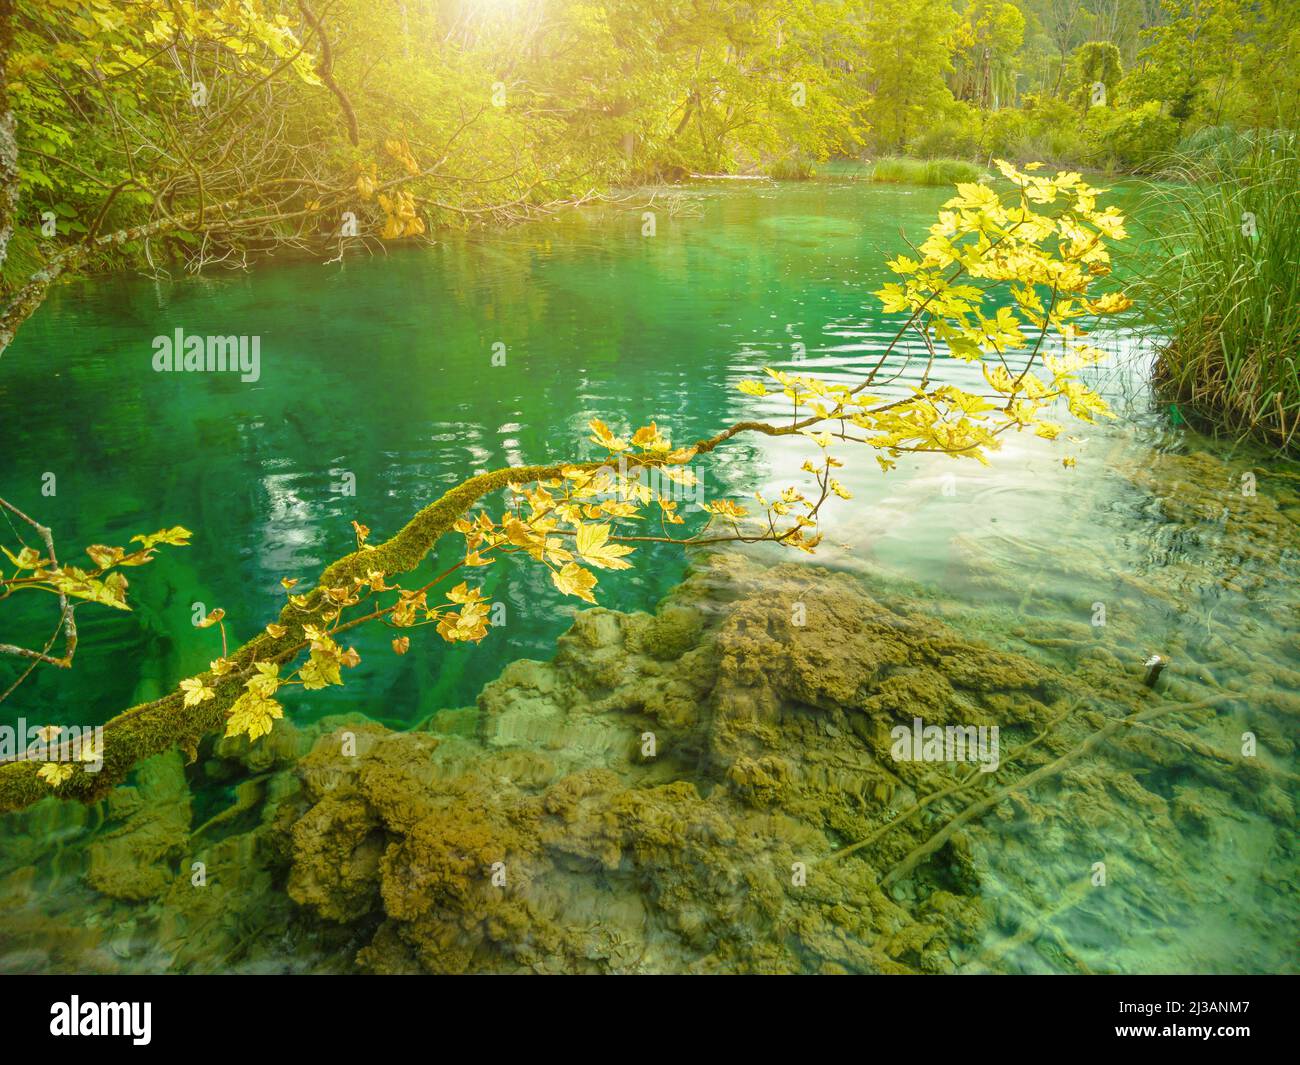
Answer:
(1223, 285)
(793, 168)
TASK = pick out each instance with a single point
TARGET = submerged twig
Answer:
(952, 789)
(919, 854)
(67, 620)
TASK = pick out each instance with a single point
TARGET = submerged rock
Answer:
(714, 788)
(657, 797)
(136, 860)
(612, 814)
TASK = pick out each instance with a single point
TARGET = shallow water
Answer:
(382, 369)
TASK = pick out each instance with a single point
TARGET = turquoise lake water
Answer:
(379, 373)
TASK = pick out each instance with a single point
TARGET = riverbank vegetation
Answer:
(198, 134)
(1224, 286)
(903, 171)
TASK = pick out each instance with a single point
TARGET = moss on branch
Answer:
(154, 727)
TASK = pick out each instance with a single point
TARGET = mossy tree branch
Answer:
(153, 727)
(163, 724)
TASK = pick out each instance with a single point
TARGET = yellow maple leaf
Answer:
(648, 438)
(54, 773)
(601, 435)
(468, 625)
(177, 536)
(463, 593)
(196, 691)
(252, 716)
(593, 546)
(574, 580)
(267, 680)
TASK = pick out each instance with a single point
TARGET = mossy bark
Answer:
(166, 723)
(154, 727)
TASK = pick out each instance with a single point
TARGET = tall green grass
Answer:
(1223, 284)
(898, 171)
(793, 168)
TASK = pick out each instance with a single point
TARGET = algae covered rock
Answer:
(614, 815)
(739, 810)
(672, 632)
(141, 857)
(715, 788)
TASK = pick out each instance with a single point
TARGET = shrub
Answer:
(792, 168)
(1051, 132)
(954, 133)
(1135, 139)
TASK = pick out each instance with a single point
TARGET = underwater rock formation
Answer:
(640, 802)
(771, 749)
(714, 788)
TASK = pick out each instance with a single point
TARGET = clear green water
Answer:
(382, 368)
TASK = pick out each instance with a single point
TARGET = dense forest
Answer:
(245, 123)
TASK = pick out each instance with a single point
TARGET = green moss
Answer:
(672, 632)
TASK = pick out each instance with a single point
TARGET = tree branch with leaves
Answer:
(997, 275)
